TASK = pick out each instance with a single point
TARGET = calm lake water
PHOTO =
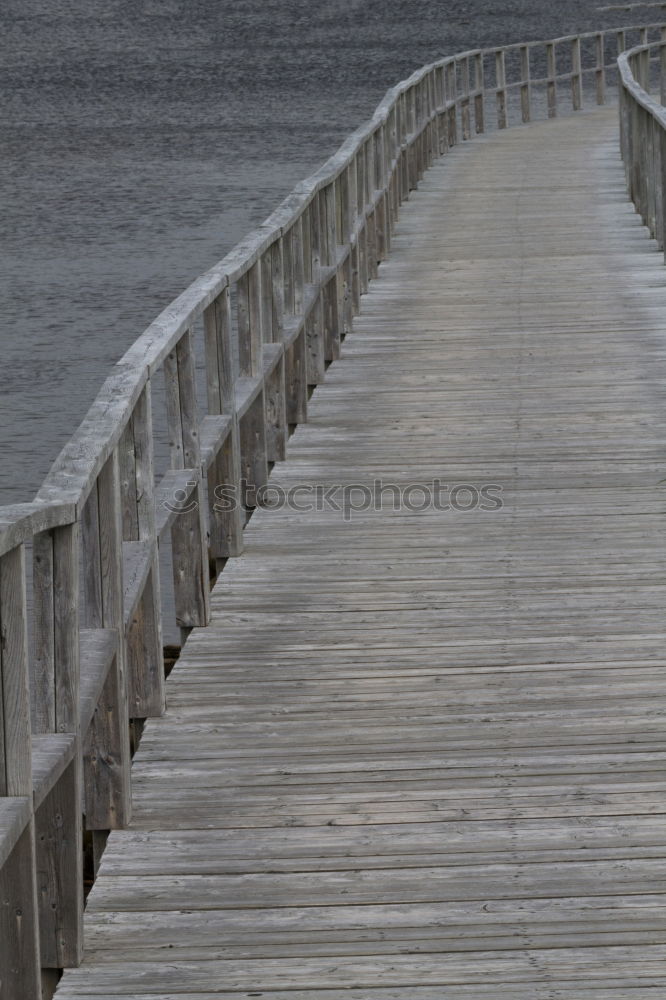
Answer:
(143, 140)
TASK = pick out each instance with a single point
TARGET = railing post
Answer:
(331, 293)
(362, 229)
(272, 328)
(576, 88)
(452, 94)
(551, 69)
(224, 472)
(106, 747)
(600, 72)
(464, 100)
(314, 323)
(352, 181)
(19, 927)
(252, 428)
(56, 681)
(644, 61)
(479, 97)
(145, 660)
(371, 225)
(345, 273)
(525, 84)
(296, 381)
(189, 543)
(661, 183)
(500, 87)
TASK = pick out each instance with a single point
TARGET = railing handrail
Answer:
(631, 84)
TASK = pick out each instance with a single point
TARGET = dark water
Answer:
(142, 140)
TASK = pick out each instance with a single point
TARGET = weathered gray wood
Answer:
(223, 471)
(254, 460)
(551, 64)
(189, 541)
(600, 72)
(576, 79)
(98, 651)
(59, 855)
(51, 754)
(106, 772)
(479, 95)
(500, 92)
(292, 265)
(142, 612)
(250, 335)
(15, 778)
(15, 816)
(525, 85)
(275, 402)
(55, 675)
(19, 931)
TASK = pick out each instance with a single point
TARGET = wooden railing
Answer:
(83, 658)
(643, 132)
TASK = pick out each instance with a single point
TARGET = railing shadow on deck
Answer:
(273, 314)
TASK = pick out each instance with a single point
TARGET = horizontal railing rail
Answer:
(84, 657)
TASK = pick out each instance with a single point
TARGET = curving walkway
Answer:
(420, 755)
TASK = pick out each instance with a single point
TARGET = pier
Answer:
(413, 745)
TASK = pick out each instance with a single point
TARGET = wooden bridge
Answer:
(413, 746)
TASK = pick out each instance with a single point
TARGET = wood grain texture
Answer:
(419, 752)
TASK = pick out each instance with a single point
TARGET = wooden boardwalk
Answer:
(419, 754)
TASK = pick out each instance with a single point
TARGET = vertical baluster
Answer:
(314, 323)
(189, 543)
(479, 97)
(371, 227)
(551, 63)
(252, 429)
(441, 117)
(644, 61)
(332, 291)
(650, 175)
(19, 928)
(500, 88)
(525, 84)
(382, 180)
(224, 472)
(250, 337)
(660, 181)
(576, 86)
(274, 386)
(464, 101)
(600, 72)
(352, 178)
(296, 385)
(106, 749)
(657, 176)
(345, 272)
(55, 710)
(361, 203)
(145, 662)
